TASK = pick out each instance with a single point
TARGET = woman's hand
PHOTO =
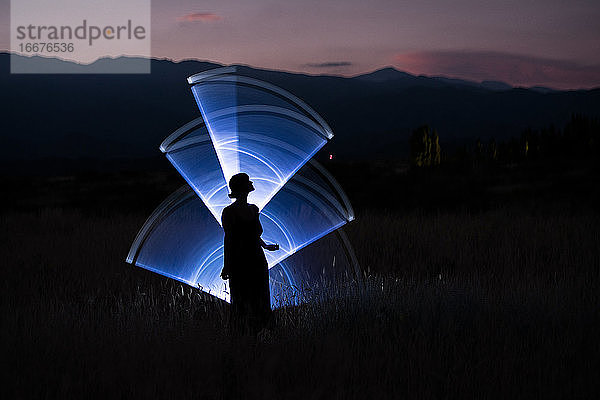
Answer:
(270, 247)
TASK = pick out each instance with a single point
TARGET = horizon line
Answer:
(295, 72)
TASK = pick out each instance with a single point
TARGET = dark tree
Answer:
(425, 149)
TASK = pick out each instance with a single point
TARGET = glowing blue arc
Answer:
(229, 74)
(251, 126)
(250, 121)
(180, 240)
(276, 111)
(167, 144)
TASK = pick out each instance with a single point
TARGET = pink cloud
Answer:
(518, 70)
(199, 17)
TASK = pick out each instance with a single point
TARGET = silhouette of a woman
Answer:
(245, 264)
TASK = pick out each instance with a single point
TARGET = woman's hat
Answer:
(240, 184)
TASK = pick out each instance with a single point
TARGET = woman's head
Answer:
(240, 185)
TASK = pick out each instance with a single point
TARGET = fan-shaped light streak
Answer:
(253, 88)
(164, 242)
(248, 120)
(190, 151)
(254, 127)
(180, 239)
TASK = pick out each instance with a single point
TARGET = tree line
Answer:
(578, 139)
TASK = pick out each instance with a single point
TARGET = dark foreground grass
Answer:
(498, 304)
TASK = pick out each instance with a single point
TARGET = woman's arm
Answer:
(225, 222)
(269, 247)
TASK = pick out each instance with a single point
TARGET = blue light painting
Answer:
(254, 127)
(257, 128)
(181, 240)
(191, 152)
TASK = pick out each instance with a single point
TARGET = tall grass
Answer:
(498, 304)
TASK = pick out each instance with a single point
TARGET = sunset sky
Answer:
(552, 43)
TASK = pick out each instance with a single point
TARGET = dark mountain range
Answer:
(127, 116)
(388, 74)
(397, 78)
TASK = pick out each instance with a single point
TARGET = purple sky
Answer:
(552, 43)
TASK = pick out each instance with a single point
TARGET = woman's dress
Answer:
(246, 265)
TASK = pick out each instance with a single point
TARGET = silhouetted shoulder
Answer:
(254, 207)
(226, 214)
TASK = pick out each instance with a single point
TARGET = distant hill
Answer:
(387, 75)
(127, 116)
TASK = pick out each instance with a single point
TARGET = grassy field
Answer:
(499, 303)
